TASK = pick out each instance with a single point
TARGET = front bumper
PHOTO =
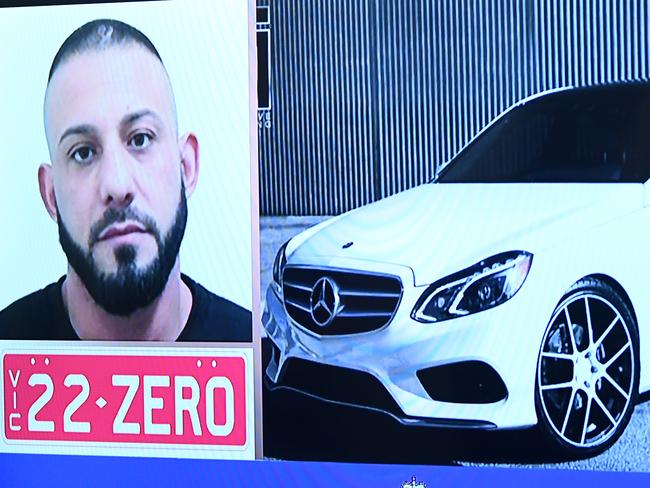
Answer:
(342, 386)
(379, 370)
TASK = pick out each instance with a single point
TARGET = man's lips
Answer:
(121, 229)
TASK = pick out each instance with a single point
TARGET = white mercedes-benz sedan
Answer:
(512, 291)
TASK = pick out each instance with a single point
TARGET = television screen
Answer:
(401, 241)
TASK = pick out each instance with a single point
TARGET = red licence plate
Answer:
(125, 398)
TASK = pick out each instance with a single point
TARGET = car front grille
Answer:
(367, 301)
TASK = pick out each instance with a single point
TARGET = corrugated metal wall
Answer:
(371, 97)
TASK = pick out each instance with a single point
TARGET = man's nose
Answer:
(116, 185)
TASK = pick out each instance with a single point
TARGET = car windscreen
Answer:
(583, 136)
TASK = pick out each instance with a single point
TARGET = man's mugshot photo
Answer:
(126, 204)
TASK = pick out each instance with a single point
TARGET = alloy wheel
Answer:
(587, 372)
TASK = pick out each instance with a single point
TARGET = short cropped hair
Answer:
(98, 35)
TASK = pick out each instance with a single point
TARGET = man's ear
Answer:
(46, 186)
(189, 146)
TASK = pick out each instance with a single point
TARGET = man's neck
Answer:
(163, 320)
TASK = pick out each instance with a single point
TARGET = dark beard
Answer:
(129, 288)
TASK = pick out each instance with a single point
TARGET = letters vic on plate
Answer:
(116, 398)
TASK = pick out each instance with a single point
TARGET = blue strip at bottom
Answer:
(59, 470)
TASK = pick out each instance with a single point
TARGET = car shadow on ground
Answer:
(301, 428)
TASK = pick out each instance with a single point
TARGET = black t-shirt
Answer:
(42, 316)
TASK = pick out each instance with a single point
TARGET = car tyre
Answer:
(587, 377)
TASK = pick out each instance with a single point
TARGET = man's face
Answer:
(116, 171)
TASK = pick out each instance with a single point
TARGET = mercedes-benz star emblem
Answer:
(325, 301)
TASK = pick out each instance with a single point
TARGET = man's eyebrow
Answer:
(83, 129)
(130, 118)
(86, 129)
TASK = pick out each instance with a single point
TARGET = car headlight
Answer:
(479, 287)
(278, 268)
